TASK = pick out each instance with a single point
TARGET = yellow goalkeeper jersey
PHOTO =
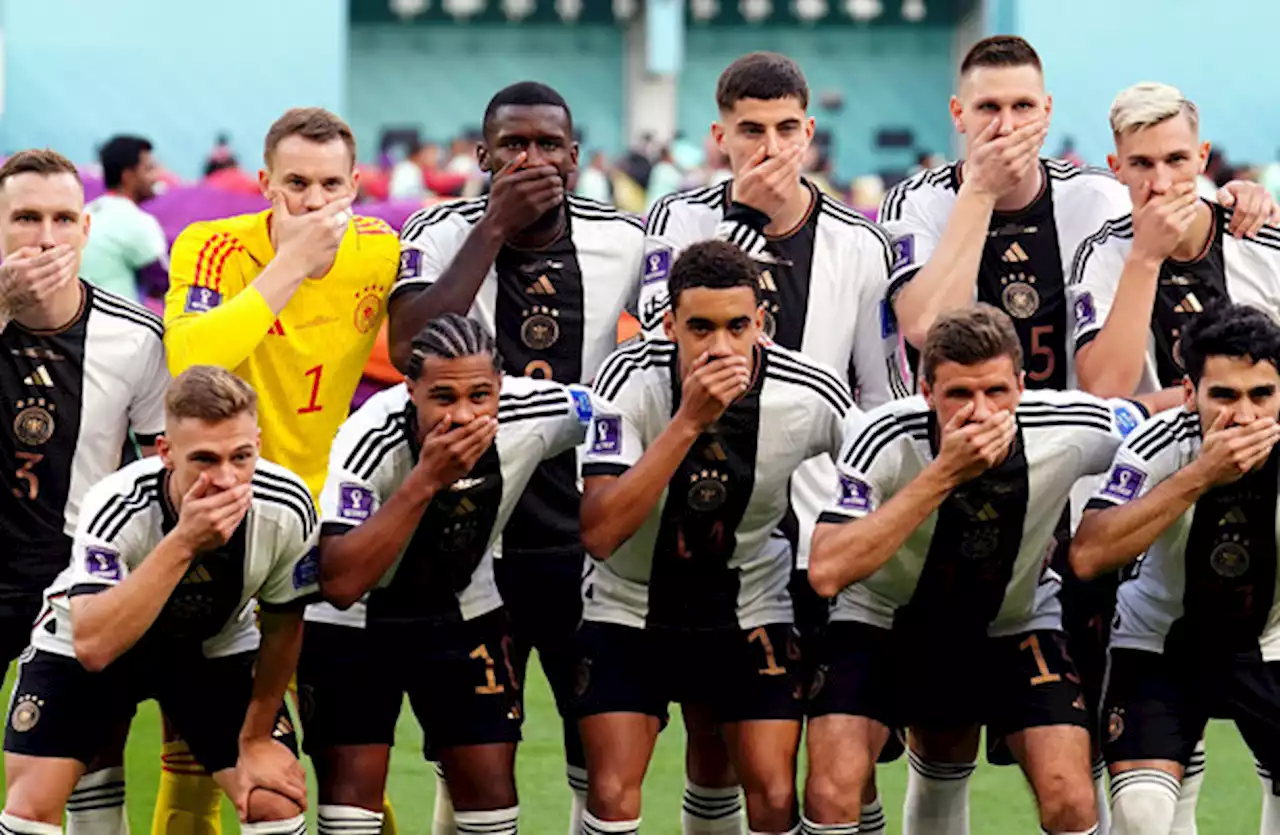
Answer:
(304, 365)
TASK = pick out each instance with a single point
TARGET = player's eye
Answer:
(296, 182)
(332, 184)
(27, 217)
(550, 144)
(445, 399)
(480, 396)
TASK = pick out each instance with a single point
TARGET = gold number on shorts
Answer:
(491, 684)
(1044, 677)
(771, 667)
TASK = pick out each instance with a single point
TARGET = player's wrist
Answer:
(182, 544)
(492, 228)
(423, 483)
(979, 192)
(687, 426)
(1145, 258)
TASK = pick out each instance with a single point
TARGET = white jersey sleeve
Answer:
(878, 362)
(352, 490)
(914, 213)
(871, 458)
(616, 440)
(146, 409)
(103, 549)
(1095, 275)
(562, 412)
(1147, 457)
(675, 222)
(294, 573)
(429, 240)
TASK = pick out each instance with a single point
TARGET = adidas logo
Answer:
(987, 514)
(39, 377)
(541, 287)
(1015, 254)
(715, 452)
(276, 329)
(199, 574)
(1189, 304)
(767, 283)
(464, 507)
(1235, 516)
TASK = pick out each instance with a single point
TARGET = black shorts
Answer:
(1157, 705)
(458, 676)
(1087, 609)
(740, 675)
(1008, 684)
(60, 709)
(15, 635)
(542, 594)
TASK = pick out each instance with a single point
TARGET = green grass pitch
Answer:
(1001, 803)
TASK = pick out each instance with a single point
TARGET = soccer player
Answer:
(1002, 226)
(169, 556)
(686, 482)
(548, 275)
(80, 368)
(128, 253)
(290, 299)
(823, 278)
(1192, 497)
(936, 544)
(422, 481)
(1167, 260)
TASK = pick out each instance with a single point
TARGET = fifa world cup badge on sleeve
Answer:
(202, 299)
(307, 571)
(1086, 314)
(608, 435)
(904, 251)
(1124, 483)
(657, 265)
(581, 405)
(855, 494)
(1126, 420)
(410, 263)
(102, 562)
(354, 502)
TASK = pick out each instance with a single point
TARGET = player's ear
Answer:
(264, 182)
(956, 111)
(717, 134)
(1113, 162)
(85, 220)
(1048, 105)
(809, 127)
(926, 391)
(574, 150)
(482, 158)
(355, 178)
(1204, 157)
(1188, 394)
(669, 324)
(164, 451)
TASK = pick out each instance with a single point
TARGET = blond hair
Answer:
(969, 336)
(1148, 104)
(210, 394)
(311, 123)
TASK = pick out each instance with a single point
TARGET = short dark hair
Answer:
(43, 161)
(1001, 51)
(312, 123)
(120, 154)
(715, 264)
(451, 336)
(761, 75)
(1229, 330)
(969, 336)
(524, 94)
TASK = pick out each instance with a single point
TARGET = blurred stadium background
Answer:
(204, 81)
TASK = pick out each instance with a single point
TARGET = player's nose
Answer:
(981, 408)
(47, 238)
(1163, 181)
(314, 198)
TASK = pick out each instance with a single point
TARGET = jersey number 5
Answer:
(1039, 349)
(25, 473)
(312, 405)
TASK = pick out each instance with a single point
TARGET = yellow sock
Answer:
(188, 802)
(388, 817)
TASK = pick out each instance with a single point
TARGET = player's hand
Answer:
(522, 195)
(767, 181)
(710, 386)
(31, 275)
(997, 164)
(1254, 207)
(268, 764)
(970, 449)
(207, 519)
(1229, 452)
(449, 453)
(1160, 220)
(312, 238)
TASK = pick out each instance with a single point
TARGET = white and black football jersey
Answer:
(271, 559)
(1242, 271)
(1027, 257)
(445, 571)
(709, 555)
(1209, 581)
(980, 561)
(73, 397)
(824, 287)
(554, 312)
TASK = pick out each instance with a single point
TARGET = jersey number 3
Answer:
(26, 473)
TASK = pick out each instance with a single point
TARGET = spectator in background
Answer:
(408, 176)
(593, 181)
(127, 253)
(225, 174)
(664, 178)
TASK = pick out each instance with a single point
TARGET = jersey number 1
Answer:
(312, 405)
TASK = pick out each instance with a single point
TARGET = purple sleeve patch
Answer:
(657, 265)
(102, 563)
(307, 570)
(354, 502)
(904, 252)
(607, 439)
(410, 264)
(855, 494)
(1086, 313)
(202, 299)
(1124, 483)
